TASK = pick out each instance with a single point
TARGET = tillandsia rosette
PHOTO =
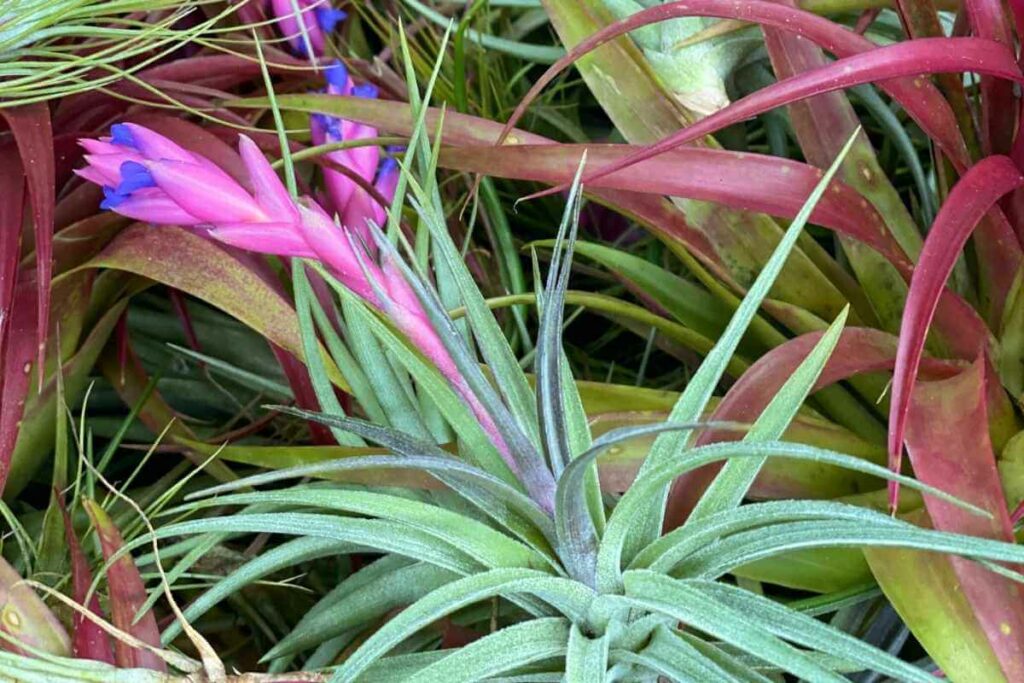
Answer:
(692, 59)
(305, 24)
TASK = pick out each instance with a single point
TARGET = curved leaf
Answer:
(911, 58)
(203, 269)
(970, 199)
(127, 595)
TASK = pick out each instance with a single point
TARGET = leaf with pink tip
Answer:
(922, 101)
(89, 641)
(127, 596)
(969, 200)
(30, 125)
(739, 180)
(949, 446)
(911, 58)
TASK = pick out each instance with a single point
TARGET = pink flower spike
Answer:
(279, 239)
(335, 250)
(148, 143)
(270, 192)
(149, 205)
(316, 17)
(205, 195)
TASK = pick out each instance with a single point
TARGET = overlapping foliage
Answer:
(592, 523)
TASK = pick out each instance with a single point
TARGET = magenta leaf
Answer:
(911, 58)
(33, 134)
(969, 200)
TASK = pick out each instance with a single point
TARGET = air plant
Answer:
(571, 589)
(889, 261)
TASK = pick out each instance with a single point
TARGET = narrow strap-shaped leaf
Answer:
(456, 412)
(484, 490)
(549, 337)
(360, 603)
(969, 200)
(694, 399)
(733, 482)
(490, 547)
(510, 379)
(586, 660)
(921, 100)
(671, 548)
(380, 535)
(670, 655)
(89, 641)
(305, 300)
(501, 652)
(676, 599)
(809, 632)
(749, 546)
(283, 556)
(522, 452)
(33, 134)
(395, 405)
(908, 58)
(127, 594)
(569, 597)
(637, 498)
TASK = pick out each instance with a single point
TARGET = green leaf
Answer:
(384, 536)
(586, 660)
(688, 303)
(369, 594)
(305, 301)
(657, 592)
(489, 547)
(501, 652)
(809, 632)
(281, 557)
(733, 482)
(670, 655)
(694, 399)
(569, 597)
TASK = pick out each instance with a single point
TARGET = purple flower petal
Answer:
(121, 134)
(337, 75)
(367, 90)
(329, 18)
(134, 176)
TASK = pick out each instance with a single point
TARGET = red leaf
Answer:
(88, 641)
(302, 388)
(859, 350)
(911, 58)
(921, 100)
(998, 105)
(950, 448)
(12, 201)
(30, 125)
(968, 201)
(739, 180)
(127, 595)
(17, 364)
